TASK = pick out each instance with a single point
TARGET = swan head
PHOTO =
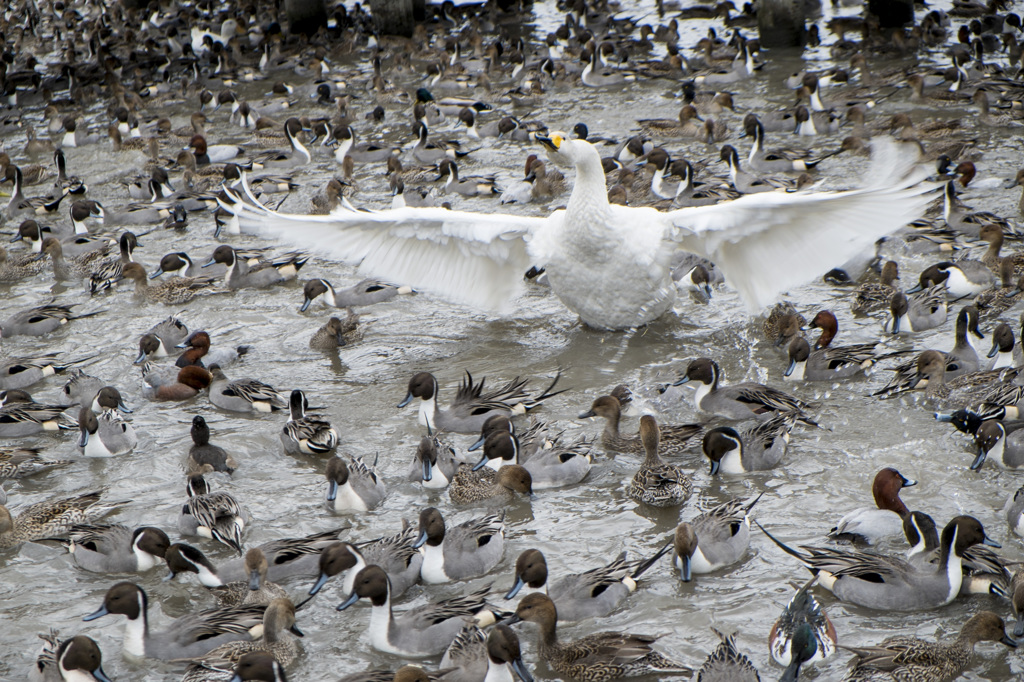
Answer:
(566, 152)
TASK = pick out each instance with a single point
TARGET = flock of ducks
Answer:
(646, 220)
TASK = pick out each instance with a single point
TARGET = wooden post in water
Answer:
(892, 13)
(393, 17)
(780, 23)
(305, 16)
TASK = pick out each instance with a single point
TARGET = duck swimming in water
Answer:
(763, 244)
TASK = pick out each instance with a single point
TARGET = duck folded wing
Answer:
(473, 258)
(620, 648)
(769, 242)
(871, 567)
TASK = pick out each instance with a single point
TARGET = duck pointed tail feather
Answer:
(788, 550)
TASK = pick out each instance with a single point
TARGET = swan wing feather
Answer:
(769, 242)
(477, 259)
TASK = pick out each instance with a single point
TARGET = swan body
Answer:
(610, 264)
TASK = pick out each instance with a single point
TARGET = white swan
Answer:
(611, 264)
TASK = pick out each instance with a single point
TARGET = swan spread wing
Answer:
(767, 243)
(473, 258)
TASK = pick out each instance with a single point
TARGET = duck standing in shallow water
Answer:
(586, 248)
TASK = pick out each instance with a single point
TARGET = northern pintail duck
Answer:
(890, 583)
(257, 666)
(113, 548)
(918, 312)
(24, 371)
(161, 339)
(173, 291)
(191, 635)
(494, 656)
(501, 487)
(471, 407)
(872, 525)
(984, 571)
(217, 516)
(1005, 349)
(17, 268)
(80, 388)
(1014, 511)
(205, 457)
(178, 264)
(241, 276)
(426, 152)
(765, 161)
(961, 278)
(661, 128)
(106, 434)
(803, 633)
(656, 483)
(395, 554)
(461, 552)
(419, 632)
(674, 438)
(434, 464)
(278, 617)
(21, 462)
(50, 518)
(469, 186)
(38, 321)
(578, 596)
(598, 657)
(758, 447)
(904, 658)
(872, 297)
(1017, 602)
(826, 362)
(1005, 449)
(243, 395)
(255, 589)
(590, 224)
(337, 333)
(302, 433)
(353, 485)
(78, 267)
(365, 292)
(75, 658)
(366, 152)
(552, 466)
(736, 401)
(21, 416)
(106, 274)
(717, 538)
(287, 558)
(727, 664)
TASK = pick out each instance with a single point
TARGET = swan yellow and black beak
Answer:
(552, 143)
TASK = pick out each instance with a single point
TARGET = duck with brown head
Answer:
(418, 632)
(869, 525)
(598, 657)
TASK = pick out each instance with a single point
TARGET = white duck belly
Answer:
(612, 276)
